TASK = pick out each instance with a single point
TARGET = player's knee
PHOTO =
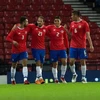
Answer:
(71, 63)
(64, 63)
(55, 64)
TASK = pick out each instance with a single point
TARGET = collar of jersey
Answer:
(20, 28)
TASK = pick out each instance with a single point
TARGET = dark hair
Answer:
(22, 19)
(76, 12)
(41, 17)
(57, 17)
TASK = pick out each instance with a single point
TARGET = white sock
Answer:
(25, 72)
(38, 72)
(55, 73)
(41, 71)
(13, 72)
(83, 70)
(73, 69)
(63, 70)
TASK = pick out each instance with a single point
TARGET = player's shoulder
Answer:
(31, 24)
(83, 21)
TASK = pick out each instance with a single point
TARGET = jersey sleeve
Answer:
(48, 31)
(10, 36)
(30, 27)
(86, 25)
(66, 42)
(70, 28)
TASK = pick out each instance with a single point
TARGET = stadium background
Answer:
(10, 12)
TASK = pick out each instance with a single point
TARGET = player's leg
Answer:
(42, 58)
(73, 55)
(63, 57)
(83, 56)
(24, 57)
(54, 60)
(13, 72)
(36, 55)
(14, 58)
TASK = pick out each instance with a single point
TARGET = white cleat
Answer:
(63, 80)
(74, 78)
(84, 80)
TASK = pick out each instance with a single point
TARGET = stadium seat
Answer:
(48, 2)
(30, 57)
(9, 26)
(28, 44)
(58, 2)
(8, 51)
(67, 7)
(1, 39)
(9, 13)
(1, 32)
(37, 2)
(85, 18)
(7, 57)
(1, 45)
(29, 51)
(8, 45)
(53, 13)
(1, 51)
(93, 25)
(29, 38)
(1, 14)
(1, 26)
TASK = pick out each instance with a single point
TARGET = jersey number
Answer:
(75, 30)
(22, 37)
(57, 34)
(40, 34)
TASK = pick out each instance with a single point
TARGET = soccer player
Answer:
(38, 47)
(18, 38)
(38, 33)
(80, 31)
(58, 46)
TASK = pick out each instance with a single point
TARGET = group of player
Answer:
(79, 31)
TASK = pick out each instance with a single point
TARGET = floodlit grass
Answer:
(51, 91)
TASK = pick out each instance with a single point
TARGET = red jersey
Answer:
(19, 35)
(78, 31)
(58, 37)
(38, 37)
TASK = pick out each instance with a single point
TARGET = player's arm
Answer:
(48, 31)
(87, 29)
(68, 31)
(10, 38)
(66, 42)
(31, 27)
(90, 41)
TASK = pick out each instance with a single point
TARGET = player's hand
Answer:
(91, 48)
(15, 43)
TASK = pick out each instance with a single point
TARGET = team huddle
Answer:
(79, 31)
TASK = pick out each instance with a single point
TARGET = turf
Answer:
(51, 91)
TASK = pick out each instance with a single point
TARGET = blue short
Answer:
(55, 54)
(19, 56)
(38, 55)
(78, 53)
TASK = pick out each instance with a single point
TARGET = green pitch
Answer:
(51, 91)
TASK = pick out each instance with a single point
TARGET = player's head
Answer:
(24, 21)
(57, 21)
(40, 21)
(75, 15)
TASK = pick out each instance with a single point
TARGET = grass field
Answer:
(51, 91)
